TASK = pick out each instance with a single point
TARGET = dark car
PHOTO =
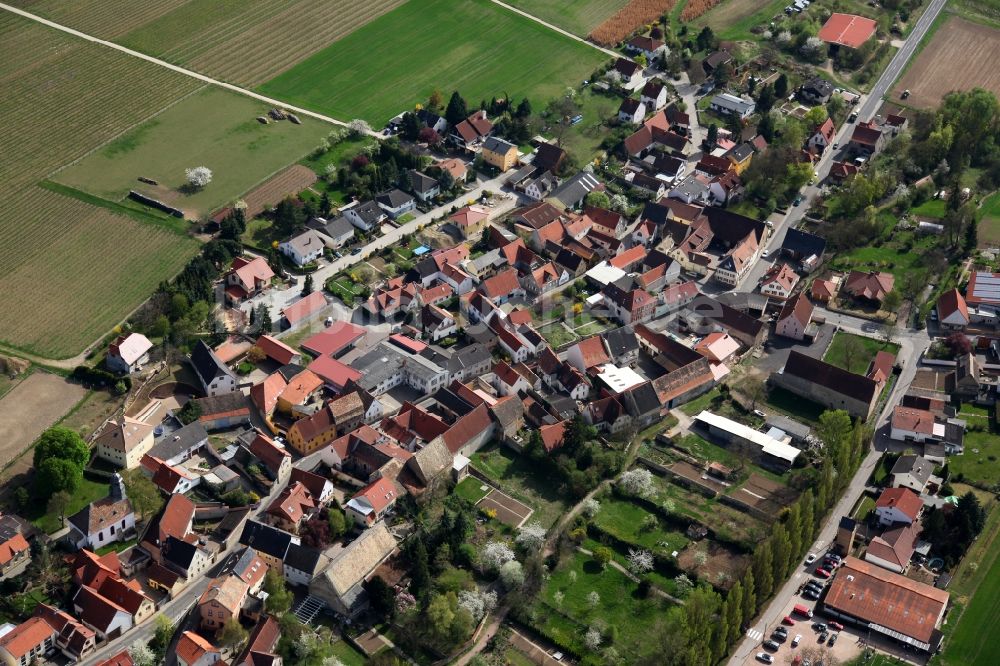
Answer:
(770, 645)
(833, 639)
(819, 626)
(822, 637)
(356, 250)
(811, 595)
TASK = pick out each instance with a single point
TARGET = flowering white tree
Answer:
(593, 599)
(592, 639)
(405, 601)
(198, 176)
(637, 483)
(531, 537)
(477, 603)
(359, 126)
(558, 597)
(640, 561)
(683, 585)
(142, 655)
(619, 202)
(813, 46)
(783, 38)
(496, 554)
(512, 575)
(591, 507)
(572, 576)
(332, 661)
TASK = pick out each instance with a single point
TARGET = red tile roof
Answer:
(268, 452)
(276, 350)
(176, 518)
(123, 658)
(951, 302)
(265, 394)
(380, 493)
(12, 547)
(904, 499)
(799, 307)
(304, 308)
(913, 420)
(552, 435)
(887, 599)
(191, 647)
(293, 504)
(847, 30)
(333, 372)
(628, 258)
(32, 633)
(593, 352)
(467, 427)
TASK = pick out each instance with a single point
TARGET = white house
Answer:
(396, 203)
(952, 310)
(215, 376)
(365, 216)
(508, 381)
(540, 187)
(128, 353)
(779, 281)
(652, 48)
(628, 72)
(898, 505)
(727, 104)
(915, 425)
(823, 137)
(794, 318)
(339, 230)
(631, 111)
(654, 95)
(304, 248)
(911, 472)
(105, 521)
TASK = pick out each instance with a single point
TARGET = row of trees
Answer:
(703, 629)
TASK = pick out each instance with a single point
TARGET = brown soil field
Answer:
(288, 181)
(722, 566)
(960, 56)
(32, 406)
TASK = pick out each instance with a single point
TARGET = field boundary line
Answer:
(550, 26)
(181, 70)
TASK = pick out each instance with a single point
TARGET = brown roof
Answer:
(504, 283)
(314, 482)
(25, 636)
(593, 352)
(552, 435)
(538, 215)
(887, 599)
(950, 302)
(783, 275)
(467, 427)
(11, 547)
(95, 609)
(119, 593)
(867, 135)
(914, 420)
(823, 289)
(638, 141)
(301, 387)
(303, 308)
(125, 435)
(265, 394)
(268, 452)
(872, 285)
(191, 647)
(830, 376)
(895, 545)
(293, 504)
(98, 515)
(229, 591)
(276, 350)
(798, 307)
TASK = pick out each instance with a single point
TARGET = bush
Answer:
(98, 378)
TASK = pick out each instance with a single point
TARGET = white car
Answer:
(810, 558)
(796, 640)
(765, 658)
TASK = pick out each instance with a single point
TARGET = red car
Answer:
(823, 573)
(835, 625)
(788, 620)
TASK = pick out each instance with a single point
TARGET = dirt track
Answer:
(960, 56)
(31, 407)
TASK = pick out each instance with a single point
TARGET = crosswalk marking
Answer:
(755, 634)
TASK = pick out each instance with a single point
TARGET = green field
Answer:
(989, 225)
(518, 477)
(618, 605)
(88, 491)
(978, 576)
(576, 16)
(623, 520)
(397, 60)
(214, 128)
(981, 461)
(931, 208)
(867, 348)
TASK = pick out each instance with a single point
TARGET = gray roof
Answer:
(918, 467)
(384, 361)
(741, 152)
(179, 553)
(575, 189)
(468, 356)
(226, 402)
(335, 228)
(178, 441)
(421, 182)
(691, 187)
(497, 145)
(352, 564)
(802, 243)
(207, 364)
(307, 241)
(303, 558)
(369, 211)
(394, 198)
(268, 540)
(733, 103)
(621, 341)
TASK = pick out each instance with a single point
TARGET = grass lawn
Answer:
(978, 576)
(397, 60)
(724, 520)
(116, 547)
(989, 225)
(583, 140)
(619, 605)
(981, 460)
(576, 16)
(931, 208)
(516, 476)
(89, 491)
(733, 20)
(898, 261)
(513, 657)
(836, 353)
(213, 128)
(619, 555)
(623, 519)
(593, 328)
(701, 403)
(344, 288)
(796, 406)
(557, 335)
(864, 506)
(471, 489)
(347, 655)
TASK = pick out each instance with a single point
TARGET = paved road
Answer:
(179, 70)
(865, 109)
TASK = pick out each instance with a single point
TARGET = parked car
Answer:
(780, 631)
(771, 645)
(833, 639)
(780, 638)
(811, 594)
(819, 626)
(798, 201)
(759, 413)
(796, 640)
(822, 637)
(836, 625)
(851, 118)
(356, 250)
(765, 658)
(810, 558)
(823, 573)
(788, 620)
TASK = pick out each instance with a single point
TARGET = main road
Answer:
(913, 343)
(865, 109)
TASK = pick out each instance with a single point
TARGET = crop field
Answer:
(62, 98)
(397, 60)
(72, 271)
(288, 181)
(627, 19)
(988, 228)
(695, 8)
(215, 128)
(576, 16)
(960, 56)
(106, 19)
(733, 19)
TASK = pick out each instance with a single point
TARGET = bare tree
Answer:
(851, 350)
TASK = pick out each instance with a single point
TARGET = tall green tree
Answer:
(64, 443)
(763, 569)
(142, 492)
(734, 612)
(457, 110)
(782, 552)
(279, 597)
(56, 474)
(781, 86)
(749, 597)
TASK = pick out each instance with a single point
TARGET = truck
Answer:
(802, 610)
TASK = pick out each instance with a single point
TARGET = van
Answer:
(802, 610)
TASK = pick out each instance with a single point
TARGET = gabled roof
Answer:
(830, 376)
(96, 610)
(266, 539)
(627, 67)
(866, 134)
(466, 428)
(124, 435)
(548, 157)
(293, 504)
(100, 514)
(802, 243)
(394, 198)
(276, 350)
(228, 591)
(799, 307)
(304, 308)
(207, 364)
(20, 640)
(353, 564)
(268, 452)
(191, 647)
(951, 302)
(334, 372)
(130, 348)
(12, 546)
(501, 284)
(375, 497)
(592, 351)
(552, 435)
(873, 285)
